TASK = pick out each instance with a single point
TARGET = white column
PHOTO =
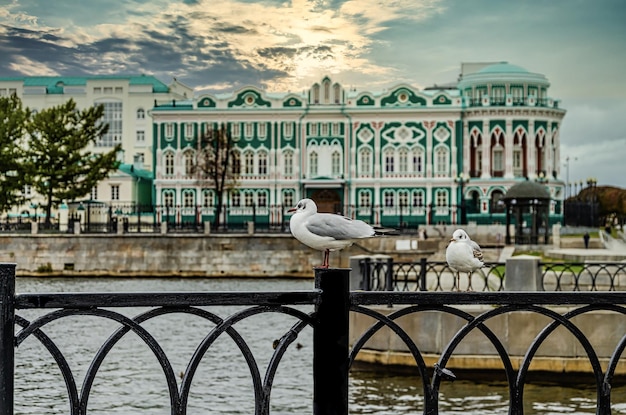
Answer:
(466, 142)
(531, 153)
(508, 150)
(486, 156)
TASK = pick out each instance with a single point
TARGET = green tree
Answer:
(60, 166)
(13, 120)
(217, 165)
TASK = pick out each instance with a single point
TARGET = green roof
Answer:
(503, 67)
(527, 190)
(53, 84)
(131, 170)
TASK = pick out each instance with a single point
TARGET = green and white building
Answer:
(127, 101)
(397, 157)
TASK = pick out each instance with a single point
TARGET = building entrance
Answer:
(327, 201)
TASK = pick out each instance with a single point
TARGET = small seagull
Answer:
(463, 255)
(326, 231)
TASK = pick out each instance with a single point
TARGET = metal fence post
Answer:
(330, 342)
(389, 275)
(367, 272)
(7, 335)
(423, 265)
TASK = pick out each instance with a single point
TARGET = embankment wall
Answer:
(185, 255)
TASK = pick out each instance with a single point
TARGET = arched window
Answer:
(442, 161)
(389, 161)
(365, 198)
(498, 161)
(262, 162)
(249, 162)
(168, 198)
(337, 93)
(235, 199)
(313, 164)
(365, 161)
(248, 198)
(540, 151)
(473, 206)
(497, 153)
(519, 154)
(389, 197)
(403, 160)
(207, 198)
(417, 198)
(441, 198)
(418, 161)
(316, 94)
(189, 159)
(326, 91)
(168, 163)
(288, 198)
(189, 198)
(336, 163)
(496, 205)
(236, 162)
(403, 198)
(141, 114)
(476, 153)
(288, 162)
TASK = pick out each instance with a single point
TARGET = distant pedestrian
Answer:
(586, 239)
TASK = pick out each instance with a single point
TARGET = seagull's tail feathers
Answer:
(380, 231)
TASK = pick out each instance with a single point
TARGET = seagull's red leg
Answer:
(326, 264)
(458, 281)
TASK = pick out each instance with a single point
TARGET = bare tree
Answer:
(217, 165)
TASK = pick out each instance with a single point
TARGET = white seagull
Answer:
(463, 255)
(326, 231)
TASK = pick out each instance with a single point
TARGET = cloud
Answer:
(295, 42)
(593, 120)
(25, 66)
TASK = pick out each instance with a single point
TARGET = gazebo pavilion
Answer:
(527, 203)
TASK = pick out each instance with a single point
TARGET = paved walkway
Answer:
(591, 255)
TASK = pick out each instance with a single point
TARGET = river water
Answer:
(130, 381)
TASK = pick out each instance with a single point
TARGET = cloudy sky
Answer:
(282, 45)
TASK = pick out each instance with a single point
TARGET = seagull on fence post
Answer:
(463, 255)
(327, 231)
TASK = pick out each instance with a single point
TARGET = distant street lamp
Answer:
(591, 183)
(568, 186)
(461, 180)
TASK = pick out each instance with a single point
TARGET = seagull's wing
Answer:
(478, 253)
(337, 227)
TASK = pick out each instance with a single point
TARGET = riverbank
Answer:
(193, 256)
(476, 356)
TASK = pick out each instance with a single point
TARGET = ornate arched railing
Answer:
(333, 356)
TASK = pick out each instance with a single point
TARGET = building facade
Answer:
(127, 101)
(399, 157)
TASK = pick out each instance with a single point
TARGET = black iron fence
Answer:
(333, 357)
(134, 218)
(389, 275)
